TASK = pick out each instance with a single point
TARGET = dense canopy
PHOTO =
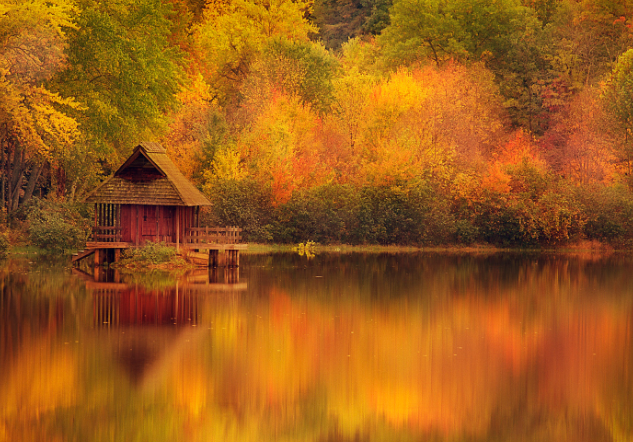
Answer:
(371, 121)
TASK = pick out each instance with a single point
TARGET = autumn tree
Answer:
(232, 35)
(124, 71)
(301, 69)
(582, 143)
(462, 29)
(35, 126)
(618, 95)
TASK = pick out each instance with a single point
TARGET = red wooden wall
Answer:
(155, 223)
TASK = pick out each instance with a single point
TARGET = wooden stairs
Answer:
(82, 254)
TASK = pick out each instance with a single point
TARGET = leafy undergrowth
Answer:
(4, 245)
(152, 256)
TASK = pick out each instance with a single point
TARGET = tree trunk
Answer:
(17, 176)
(15, 196)
(36, 171)
(3, 167)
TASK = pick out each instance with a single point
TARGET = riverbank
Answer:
(579, 247)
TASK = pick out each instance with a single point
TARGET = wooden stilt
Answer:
(232, 275)
(221, 258)
(213, 275)
(213, 258)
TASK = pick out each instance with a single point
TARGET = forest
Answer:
(414, 122)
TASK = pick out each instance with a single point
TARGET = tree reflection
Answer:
(338, 348)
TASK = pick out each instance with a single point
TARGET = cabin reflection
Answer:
(138, 306)
(117, 302)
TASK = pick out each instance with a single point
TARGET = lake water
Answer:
(335, 347)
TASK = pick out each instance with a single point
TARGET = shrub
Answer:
(242, 203)
(465, 232)
(325, 214)
(4, 245)
(150, 254)
(57, 226)
(608, 212)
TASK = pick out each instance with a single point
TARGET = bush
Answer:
(465, 232)
(4, 245)
(150, 254)
(608, 212)
(324, 214)
(57, 226)
(241, 203)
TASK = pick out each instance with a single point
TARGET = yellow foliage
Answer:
(227, 166)
(31, 51)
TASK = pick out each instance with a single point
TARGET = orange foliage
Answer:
(519, 148)
(187, 131)
(496, 180)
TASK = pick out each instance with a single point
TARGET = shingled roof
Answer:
(148, 177)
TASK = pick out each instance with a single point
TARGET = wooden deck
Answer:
(208, 246)
(197, 246)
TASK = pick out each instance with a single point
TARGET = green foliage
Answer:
(4, 245)
(340, 20)
(401, 215)
(242, 203)
(504, 34)
(378, 18)
(609, 214)
(232, 35)
(150, 253)
(298, 68)
(124, 70)
(325, 214)
(525, 220)
(334, 214)
(618, 92)
(442, 29)
(57, 226)
(465, 232)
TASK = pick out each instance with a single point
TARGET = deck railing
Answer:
(106, 234)
(213, 235)
(194, 235)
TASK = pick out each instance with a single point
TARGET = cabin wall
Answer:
(141, 223)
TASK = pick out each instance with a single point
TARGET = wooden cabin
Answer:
(149, 199)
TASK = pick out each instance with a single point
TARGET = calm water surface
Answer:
(376, 347)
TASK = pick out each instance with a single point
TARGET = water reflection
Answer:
(335, 348)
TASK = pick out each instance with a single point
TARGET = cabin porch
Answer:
(211, 246)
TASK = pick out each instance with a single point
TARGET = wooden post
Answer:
(97, 257)
(222, 258)
(213, 275)
(234, 258)
(177, 229)
(213, 258)
(136, 235)
(232, 276)
(157, 225)
(94, 233)
(117, 255)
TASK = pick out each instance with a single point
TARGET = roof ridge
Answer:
(182, 189)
